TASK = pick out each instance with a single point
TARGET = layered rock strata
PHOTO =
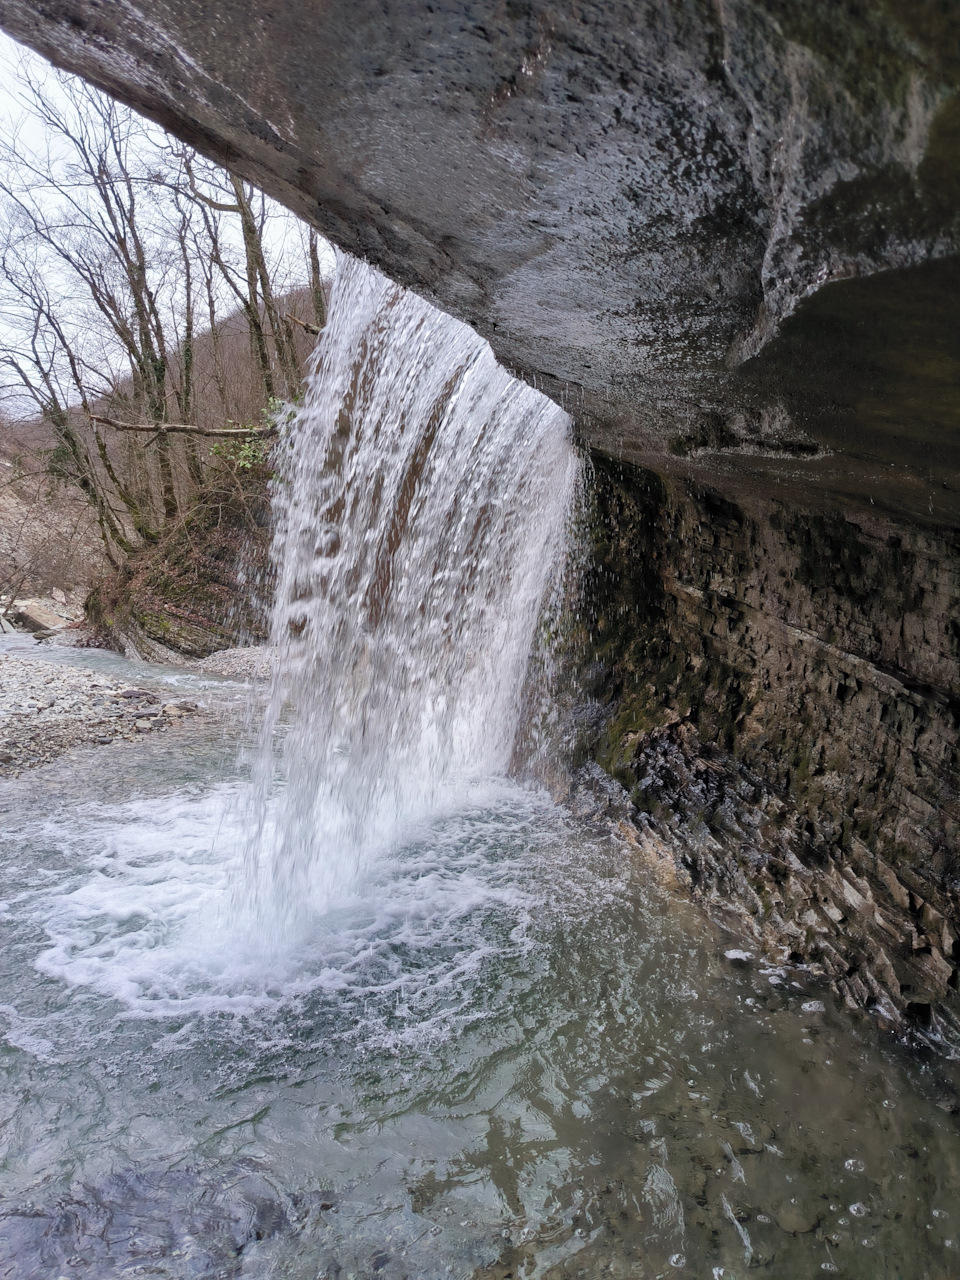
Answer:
(800, 751)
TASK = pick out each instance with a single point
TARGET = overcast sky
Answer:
(14, 59)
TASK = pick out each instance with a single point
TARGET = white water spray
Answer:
(422, 520)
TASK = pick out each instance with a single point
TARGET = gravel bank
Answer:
(46, 708)
(252, 663)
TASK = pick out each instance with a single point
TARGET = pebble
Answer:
(48, 707)
(795, 1219)
(252, 663)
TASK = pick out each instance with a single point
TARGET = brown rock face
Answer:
(725, 233)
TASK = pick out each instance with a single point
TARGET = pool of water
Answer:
(505, 1052)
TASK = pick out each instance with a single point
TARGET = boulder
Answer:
(37, 616)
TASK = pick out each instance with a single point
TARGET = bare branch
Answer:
(183, 428)
(304, 324)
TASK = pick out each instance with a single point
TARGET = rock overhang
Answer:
(627, 199)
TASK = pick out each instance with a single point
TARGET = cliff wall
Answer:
(781, 702)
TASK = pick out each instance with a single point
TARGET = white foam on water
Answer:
(144, 921)
(149, 919)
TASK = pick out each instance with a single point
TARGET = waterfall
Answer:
(422, 508)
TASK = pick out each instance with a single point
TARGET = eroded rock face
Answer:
(625, 198)
(782, 697)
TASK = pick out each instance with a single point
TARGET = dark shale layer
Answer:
(726, 234)
(778, 693)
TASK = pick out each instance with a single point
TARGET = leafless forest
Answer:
(156, 315)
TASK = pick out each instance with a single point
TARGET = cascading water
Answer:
(422, 515)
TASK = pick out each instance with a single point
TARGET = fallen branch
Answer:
(183, 429)
(304, 324)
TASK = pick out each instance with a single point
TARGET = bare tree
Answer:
(122, 259)
(317, 291)
(254, 290)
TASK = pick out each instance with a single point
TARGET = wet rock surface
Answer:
(798, 753)
(625, 199)
(845, 914)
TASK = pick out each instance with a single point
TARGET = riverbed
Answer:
(506, 1051)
